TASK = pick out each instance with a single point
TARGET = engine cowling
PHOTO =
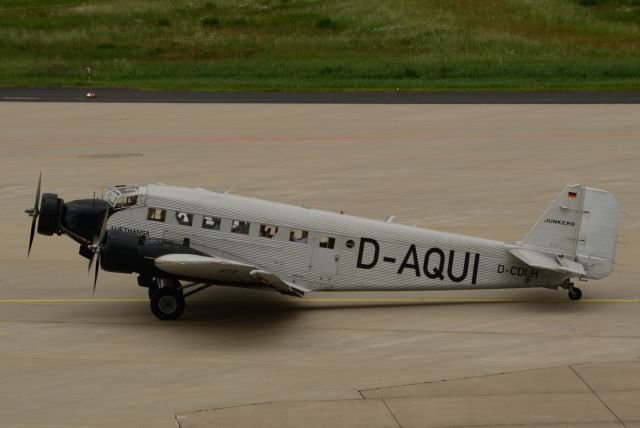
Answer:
(84, 217)
(49, 215)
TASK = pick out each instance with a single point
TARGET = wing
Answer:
(223, 270)
(545, 261)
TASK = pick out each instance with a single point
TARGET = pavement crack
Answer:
(597, 396)
(175, 416)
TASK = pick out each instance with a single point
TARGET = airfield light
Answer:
(91, 93)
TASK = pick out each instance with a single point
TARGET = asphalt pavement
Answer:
(125, 95)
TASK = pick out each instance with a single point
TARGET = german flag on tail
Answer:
(572, 195)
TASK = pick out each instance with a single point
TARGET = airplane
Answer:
(181, 241)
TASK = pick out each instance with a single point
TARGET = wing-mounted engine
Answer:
(127, 252)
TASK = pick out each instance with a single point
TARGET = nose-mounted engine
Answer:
(84, 220)
(80, 219)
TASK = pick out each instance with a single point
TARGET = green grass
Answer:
(323, 45)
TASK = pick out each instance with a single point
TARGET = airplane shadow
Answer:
(270, 309)
(269, 314)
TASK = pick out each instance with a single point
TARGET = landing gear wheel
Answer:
(575, 293)
(167, 303)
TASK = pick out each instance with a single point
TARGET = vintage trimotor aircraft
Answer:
(180, 241)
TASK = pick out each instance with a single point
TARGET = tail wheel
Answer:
(167, 303)
(575, 293)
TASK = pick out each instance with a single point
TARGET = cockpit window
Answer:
(122, 196)
(111, 196)
(126, 201)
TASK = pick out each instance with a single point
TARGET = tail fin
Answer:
(581, 223)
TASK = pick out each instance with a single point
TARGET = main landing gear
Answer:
(167, 303)
(167, 296)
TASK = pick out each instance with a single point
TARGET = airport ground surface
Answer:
(242, 358)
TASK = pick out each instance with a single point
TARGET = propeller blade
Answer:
(97, 240)
(93, 255)
(36, 204)
(34, 214)
(91, 262)
(103, 227)
(33, 232)
(95, 277)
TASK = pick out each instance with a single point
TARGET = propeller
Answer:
(33, 213)
(96, 248)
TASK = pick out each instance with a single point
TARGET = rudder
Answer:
(598, 234)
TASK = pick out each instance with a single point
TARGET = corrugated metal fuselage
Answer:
(366, 254)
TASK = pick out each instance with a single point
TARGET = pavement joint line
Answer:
(533, 369)
(597, 396)
(261, 403)
(390, 412)
(336, 300)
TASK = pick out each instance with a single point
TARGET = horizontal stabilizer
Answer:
(545, 261)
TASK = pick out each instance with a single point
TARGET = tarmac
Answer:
(512, 358)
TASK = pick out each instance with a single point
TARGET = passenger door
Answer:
(324, 256)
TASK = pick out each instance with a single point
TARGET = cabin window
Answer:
(238, 226)
(350, 243)
(268, 231)
(212, 223)
(298, 235)
(156, 214)
(184, 219)
(327, 242)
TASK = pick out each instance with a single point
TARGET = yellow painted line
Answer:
(340, 300)
(465, 300)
